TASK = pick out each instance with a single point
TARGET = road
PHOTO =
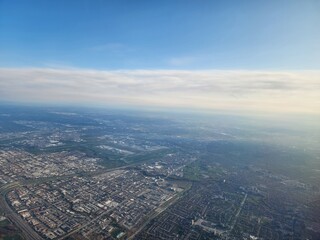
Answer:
(85, 225)
(156, 212)
(238, 212)
(27, 231)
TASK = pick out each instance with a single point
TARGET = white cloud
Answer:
(297, 91)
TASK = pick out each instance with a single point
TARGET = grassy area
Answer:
(134, 159)
(117, 229)
(12, 237)
(192, 172)
(8, 231)
(202, 169)
(112, 163)
(146, 156)
(109, 159)
(4, 223)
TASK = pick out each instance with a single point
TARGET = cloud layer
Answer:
(217, 89)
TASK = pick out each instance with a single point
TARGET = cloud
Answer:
(295, 91)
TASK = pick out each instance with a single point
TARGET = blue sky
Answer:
(212, 55)
(160, 34)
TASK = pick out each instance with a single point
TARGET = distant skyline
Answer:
(251, 55)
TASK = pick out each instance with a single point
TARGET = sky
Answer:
(234, 55)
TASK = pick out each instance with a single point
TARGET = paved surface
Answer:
(27, 231)
(238, 212)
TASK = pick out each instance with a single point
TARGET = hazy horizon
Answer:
(220, 90)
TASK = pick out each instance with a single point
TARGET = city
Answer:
(160, 120)
(169, 186)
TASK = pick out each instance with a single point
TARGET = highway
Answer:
(27, 231)
(20, 223)
(156, 213)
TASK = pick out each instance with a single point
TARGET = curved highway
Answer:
(27, 231)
